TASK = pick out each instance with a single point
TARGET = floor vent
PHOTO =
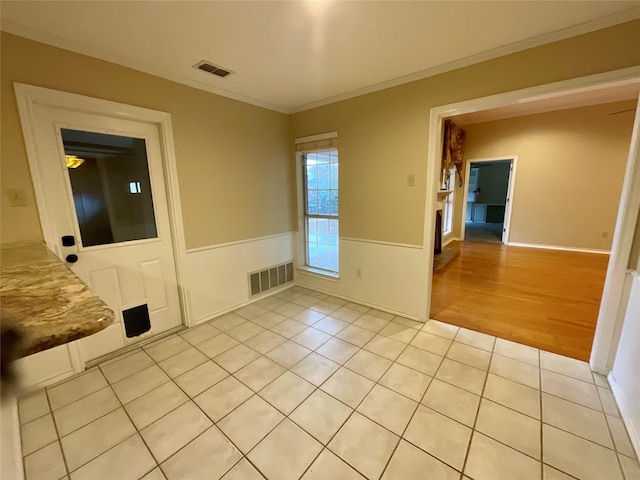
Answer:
(269, 278)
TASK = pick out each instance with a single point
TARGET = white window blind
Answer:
(317, 143)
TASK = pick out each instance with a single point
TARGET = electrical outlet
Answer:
(411, 180)
(16, 198)
(605, 234)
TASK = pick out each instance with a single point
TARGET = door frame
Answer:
(510, 189)
(610, 319)
(28, 96)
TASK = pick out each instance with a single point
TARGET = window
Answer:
(320, 179)
(447, 220)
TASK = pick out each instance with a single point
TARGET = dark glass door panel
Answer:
(111, 188)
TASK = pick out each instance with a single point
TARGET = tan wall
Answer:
(383, 135)
(232, 158)
(571, 165)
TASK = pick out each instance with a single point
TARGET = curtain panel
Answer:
(452, 149)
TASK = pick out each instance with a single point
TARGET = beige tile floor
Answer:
(301, 385)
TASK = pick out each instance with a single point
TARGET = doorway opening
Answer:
(486, 212)
(488, 266)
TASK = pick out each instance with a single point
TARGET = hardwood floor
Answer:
(544, 298)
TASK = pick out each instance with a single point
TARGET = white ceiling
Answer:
(293, 55)
(552, 103)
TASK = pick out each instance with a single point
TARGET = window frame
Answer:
(305, 215)
(449, 206)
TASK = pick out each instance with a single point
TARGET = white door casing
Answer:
(124, 274)
(609, 318)
(511, 182)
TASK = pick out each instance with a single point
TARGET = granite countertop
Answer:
(45, 299)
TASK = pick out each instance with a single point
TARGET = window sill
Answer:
(316, 272)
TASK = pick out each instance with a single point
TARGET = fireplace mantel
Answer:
(443, 194)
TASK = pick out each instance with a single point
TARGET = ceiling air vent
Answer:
(212, 68)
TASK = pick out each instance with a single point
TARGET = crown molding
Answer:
(597, 24)
(53, 40)
(591, 26)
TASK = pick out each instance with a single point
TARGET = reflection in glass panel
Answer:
(312, 202)
(323, 245)
(324, 179)
(312, 177)
(111, 187)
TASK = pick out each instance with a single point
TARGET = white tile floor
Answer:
(301, 385)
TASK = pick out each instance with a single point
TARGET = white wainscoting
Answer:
(216, 277)
(10, 451)
(625, 375)
(49, 366)
(392, 277)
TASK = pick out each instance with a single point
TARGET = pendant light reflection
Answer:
(73, 161)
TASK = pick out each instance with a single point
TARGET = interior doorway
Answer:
(486, 209)
(599, 90)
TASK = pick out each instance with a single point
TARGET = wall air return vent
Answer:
(212, 68)
(269, 278)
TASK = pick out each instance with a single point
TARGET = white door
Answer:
(106, 204)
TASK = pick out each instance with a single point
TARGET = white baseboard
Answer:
(361, 302)
(632, 429)
(243, 304)
(559, 247)
(448, 240)
(132, 347)
(49, 381)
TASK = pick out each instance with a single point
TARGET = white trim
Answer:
(634, 434)
(211, 316)
(11, 463)
(77, 361)
(450, 238)
(609, 21)
(625, 298)
(315, 272)
(133, 346)
(559, 247)
(380, 242)
(506, 224)
(52, 380)
(610, 316)
(326, 274)
(317, 138)
(604, 341)
(300, 240)
(238, 242)
(361, 302)
(28, 96)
